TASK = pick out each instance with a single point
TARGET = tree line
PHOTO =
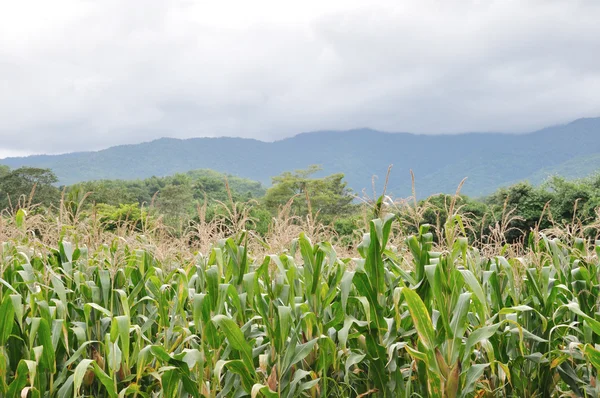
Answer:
(508, 214)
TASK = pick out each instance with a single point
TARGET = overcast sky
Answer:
(88, 74)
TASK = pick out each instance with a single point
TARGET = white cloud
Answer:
(82, 74)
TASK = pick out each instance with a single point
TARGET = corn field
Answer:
(401, 320)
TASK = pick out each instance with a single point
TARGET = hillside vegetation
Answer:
(490, 161)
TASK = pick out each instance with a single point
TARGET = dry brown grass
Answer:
(576, 227)
(42, 228)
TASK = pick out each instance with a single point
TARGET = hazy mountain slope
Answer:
(573, 168)
(439, 161)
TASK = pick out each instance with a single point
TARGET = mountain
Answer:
(440, 162)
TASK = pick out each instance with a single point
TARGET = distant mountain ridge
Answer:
(440, 162)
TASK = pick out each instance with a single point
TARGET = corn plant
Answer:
(117, 322)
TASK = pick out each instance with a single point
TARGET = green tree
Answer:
(111, 192)
(122, 215)
(328, 196)
(175, 202)
(576, 199)
(528, 203)
(29, 183)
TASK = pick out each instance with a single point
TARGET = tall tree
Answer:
(27, 184)
(329, 196)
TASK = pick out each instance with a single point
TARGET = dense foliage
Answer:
(400, 320)
(33, 184)
(205, 195)
(195, 185)
(327, 196)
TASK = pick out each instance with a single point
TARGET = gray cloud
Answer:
(80, 75)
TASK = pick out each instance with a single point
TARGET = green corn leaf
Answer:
(121, 325)
(79, 374)
(7, 317)
(434, 277)
(458, 324)
(374, 262)
(421, 318)
(236, 339)
(106, 380)
(479, 296)
(593, 355)
(477, 336)
(593, 324)
(260, 390)
(284, 325)
(472, 376)
(169, 381)
(20, 380)
(301, 351)
(44, 335)
(238, 367)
